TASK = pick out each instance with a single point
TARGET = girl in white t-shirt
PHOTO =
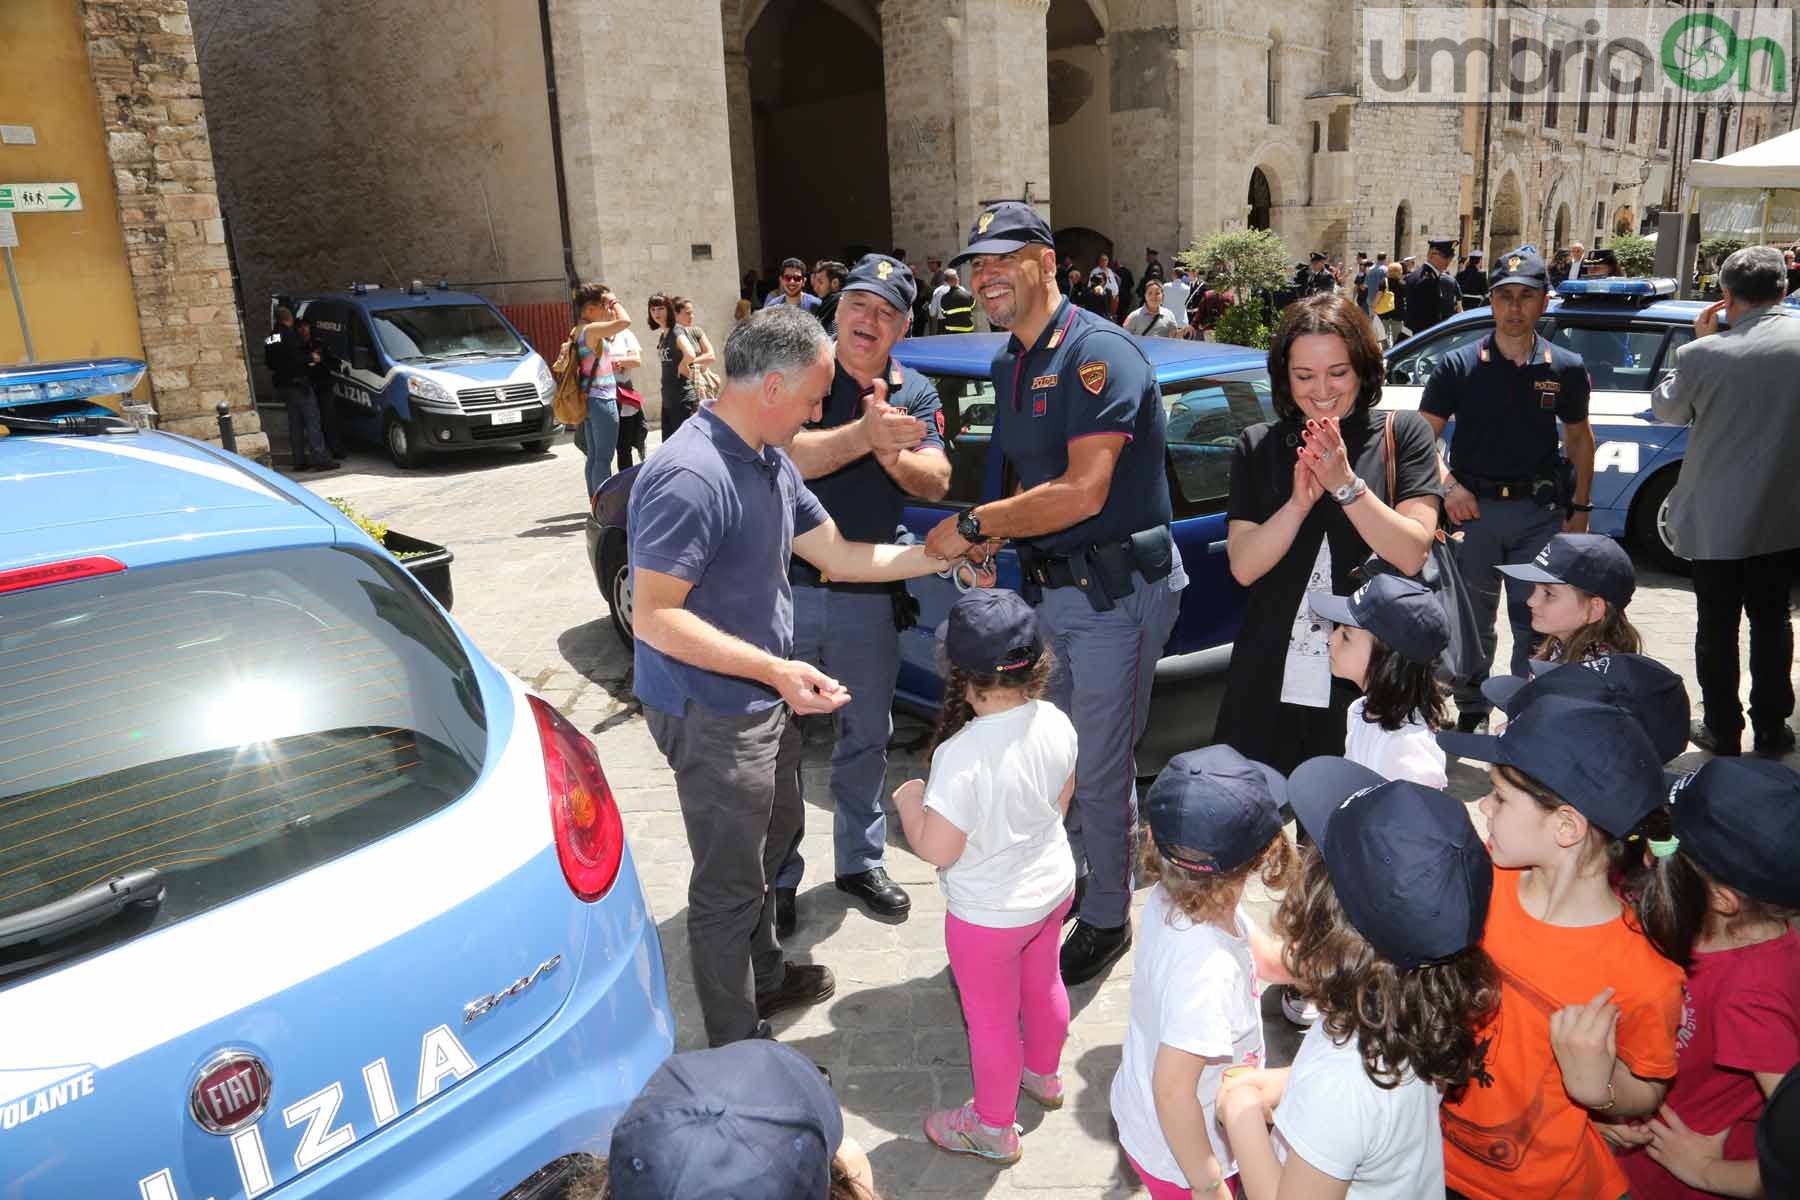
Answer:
(1212, 822)
(1383, 932)
(991, 820)
(1389, 634)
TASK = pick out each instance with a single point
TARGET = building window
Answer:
(1632, 129)
(1599, 215)
(1699, 133)
(1662, 125)
(1612, 120)
(1586, 103)
(1274, 112)
(1724, 124)
(1550, 110)
(1316, 142)
(1515, 99)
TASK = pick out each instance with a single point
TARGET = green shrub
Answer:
(1636, 254)
(1242, 325)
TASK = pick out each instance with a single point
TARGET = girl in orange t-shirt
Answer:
(1588, 1008)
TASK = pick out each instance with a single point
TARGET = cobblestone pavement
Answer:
(892, 1036)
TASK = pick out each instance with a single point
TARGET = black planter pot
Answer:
(429, 564)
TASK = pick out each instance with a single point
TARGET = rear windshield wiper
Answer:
(141, 890)
(86, 425)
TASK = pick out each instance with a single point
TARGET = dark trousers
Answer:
(1757, 587)
(306, 443)
(674, 413)
(737, 779)
(632, 433)
(329, 423)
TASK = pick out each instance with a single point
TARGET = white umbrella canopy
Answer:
(1774, 163)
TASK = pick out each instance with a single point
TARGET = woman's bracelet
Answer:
(1612, 1100)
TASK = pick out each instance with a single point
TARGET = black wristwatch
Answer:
(968, 526)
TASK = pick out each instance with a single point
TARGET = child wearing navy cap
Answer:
(1382, 932)
(1589, 1011)
(1213, 821)
(1719, 893)
(1389, 634)
(1583, 581)
(990, 818)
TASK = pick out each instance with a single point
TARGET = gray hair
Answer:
(783, 339)
(1755, 275)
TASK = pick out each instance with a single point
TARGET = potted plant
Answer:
(427, 562)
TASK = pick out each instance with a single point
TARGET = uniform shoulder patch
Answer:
(1093, 375)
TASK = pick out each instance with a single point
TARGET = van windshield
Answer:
(228, 722)
(444, 331)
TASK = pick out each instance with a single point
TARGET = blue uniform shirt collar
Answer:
(729, 443)
(1487, 351)
(1059, 317)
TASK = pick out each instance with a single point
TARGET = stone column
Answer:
(1004, 114)
(145, 72)
(918, 46)
(743, 155)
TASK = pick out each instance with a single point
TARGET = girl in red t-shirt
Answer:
(1718, 895)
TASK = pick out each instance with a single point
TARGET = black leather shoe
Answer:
(885, 899)
(801, 984)
(1715, 744)
(1776, 743)
(1470, 722)
(1089, 950)
(787, 912)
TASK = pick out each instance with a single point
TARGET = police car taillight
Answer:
(590, 837)
(23, 579)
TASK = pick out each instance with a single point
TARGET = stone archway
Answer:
(819, 112)
(1261, 199)
(1560, 231)
(1402, 230)
(1078, 76)
(1506, 228)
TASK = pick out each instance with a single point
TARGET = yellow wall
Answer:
(72, 267)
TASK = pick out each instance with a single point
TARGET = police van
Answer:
(420, 370)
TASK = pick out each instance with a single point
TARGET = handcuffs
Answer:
(966, 575)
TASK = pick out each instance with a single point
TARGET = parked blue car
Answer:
(1211, 392)
(298, 891)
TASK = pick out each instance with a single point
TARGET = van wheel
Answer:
(537, 446)
(404, 445)
(615, 583)
(1650, 522)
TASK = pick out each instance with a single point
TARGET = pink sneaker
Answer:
(1047, 1090)
(960, 1131)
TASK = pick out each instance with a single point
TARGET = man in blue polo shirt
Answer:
(1080, 426)
(1513, 489)
(880, 440)
(713, 518)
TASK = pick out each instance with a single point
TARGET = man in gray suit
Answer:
(1733, 512)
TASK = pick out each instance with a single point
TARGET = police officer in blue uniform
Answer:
(1431, 291)
(1079, 456)
(880, 439)
(1513, 488)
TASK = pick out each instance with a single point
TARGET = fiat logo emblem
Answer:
(232, 1092)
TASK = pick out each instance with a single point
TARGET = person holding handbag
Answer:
(1306, 509)
(602, 317)
(690, 355)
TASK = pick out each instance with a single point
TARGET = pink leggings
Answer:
(1009, 978)
(1162, 1189)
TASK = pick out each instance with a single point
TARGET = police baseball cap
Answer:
(992, 631)
(1592, 562)
(1595, 757)
(1004, 227)
(1641, 686)
(753, 1120)
(1739, 818)
(1213, 810)
(1523, 265)
(1405, 614)
(1405, 861)
(885, 276)
(1778, 1139)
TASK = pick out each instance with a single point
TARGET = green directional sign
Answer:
(39, 197)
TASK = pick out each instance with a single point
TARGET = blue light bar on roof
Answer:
(1628, 289)
(80, 379)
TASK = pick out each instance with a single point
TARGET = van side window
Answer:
(362, 345)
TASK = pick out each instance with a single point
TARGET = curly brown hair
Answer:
(1613, 633)
(1423, 1020)
(1326, 312)
(957, 711)
(1211, 898)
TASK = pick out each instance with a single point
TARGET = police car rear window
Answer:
(229, 722)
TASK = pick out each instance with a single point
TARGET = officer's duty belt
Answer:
(1103, 571)
(1509, 489)
(803, 574)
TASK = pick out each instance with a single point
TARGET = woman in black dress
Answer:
(1308, 505)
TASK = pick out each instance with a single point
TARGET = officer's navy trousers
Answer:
(1507, 533)
(1105, 664)
(851, 637)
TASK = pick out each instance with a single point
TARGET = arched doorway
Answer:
(1506, 228)
(1402, 230)
(1261, 200)
(1561, 231)
(819, 110)
(1078, 76)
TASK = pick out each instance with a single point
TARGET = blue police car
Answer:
(1211, 394)
(298, 891)
(423, 370)
(1627, 331)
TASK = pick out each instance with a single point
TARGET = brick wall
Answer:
(148, 82)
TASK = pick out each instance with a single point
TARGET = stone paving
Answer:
(892, 1036)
